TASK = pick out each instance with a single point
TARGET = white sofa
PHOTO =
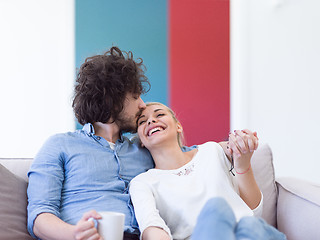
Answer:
(291, 205)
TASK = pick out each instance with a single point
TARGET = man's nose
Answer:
(142, 104)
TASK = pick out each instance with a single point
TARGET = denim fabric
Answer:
(78, 171)
(217, 221)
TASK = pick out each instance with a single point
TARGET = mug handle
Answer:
(95, 221)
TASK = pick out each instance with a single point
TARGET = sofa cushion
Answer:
(18, 166)
(262, 165)
(13, 206)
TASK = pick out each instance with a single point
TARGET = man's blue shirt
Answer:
(78, 171)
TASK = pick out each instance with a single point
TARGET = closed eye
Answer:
(141, 122)
(160, 114)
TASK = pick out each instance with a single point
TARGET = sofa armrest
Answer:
(298, 209)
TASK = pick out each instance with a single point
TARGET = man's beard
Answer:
(128, 124)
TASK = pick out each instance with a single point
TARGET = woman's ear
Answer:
(179, 127)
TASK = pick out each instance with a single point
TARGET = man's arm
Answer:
(226, 149)
(48, 226)
(46, 177)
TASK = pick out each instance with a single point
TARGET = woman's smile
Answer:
(154, 130)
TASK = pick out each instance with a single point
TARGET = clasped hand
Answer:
(241, 145)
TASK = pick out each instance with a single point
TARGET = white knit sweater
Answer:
(173, 199)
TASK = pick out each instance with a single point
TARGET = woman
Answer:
(169, 198)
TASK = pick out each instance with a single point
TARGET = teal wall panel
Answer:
(137, 26)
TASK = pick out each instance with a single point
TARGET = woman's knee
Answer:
(248, 223)
(216, 221)
(249, 228)
(217, 203)
(218, 208)
(257, 228)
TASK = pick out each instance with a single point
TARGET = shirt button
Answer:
(98, 138)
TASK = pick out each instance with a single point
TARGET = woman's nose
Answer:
(151, 121)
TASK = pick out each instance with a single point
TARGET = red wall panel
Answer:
(199, 68)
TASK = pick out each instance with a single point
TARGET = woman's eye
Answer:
(141, 122)
(160, 115)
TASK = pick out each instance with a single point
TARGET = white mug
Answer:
(111, 226)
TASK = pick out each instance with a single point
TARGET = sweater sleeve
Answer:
(145, 208)
(257, 212)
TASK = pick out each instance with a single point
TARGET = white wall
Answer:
(36, 73)
(275, 79)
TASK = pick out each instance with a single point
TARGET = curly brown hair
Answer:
(103, 82)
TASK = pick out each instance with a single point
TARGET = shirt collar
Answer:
(88, 128)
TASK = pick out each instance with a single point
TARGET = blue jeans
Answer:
(217, 222)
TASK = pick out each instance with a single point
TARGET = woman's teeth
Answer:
(153, 130)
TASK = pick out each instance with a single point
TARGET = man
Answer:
(91, 168)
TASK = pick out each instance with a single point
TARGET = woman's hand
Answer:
(85, 228)
(242, 144)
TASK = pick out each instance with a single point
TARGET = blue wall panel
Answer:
(137, 26)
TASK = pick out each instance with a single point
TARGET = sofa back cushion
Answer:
(18, 166)
(13, 206)
(262, 165)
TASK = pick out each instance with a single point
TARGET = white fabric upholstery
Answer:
(298, 209)
(262, 165)
(290, 204)
(18, 166)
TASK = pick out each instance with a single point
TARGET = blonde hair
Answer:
(180, 136)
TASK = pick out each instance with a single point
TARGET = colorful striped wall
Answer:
(185, 47)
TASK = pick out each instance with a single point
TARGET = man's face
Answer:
(132, 107)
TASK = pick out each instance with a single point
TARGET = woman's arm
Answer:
(242, 145)
(151, 225)
(155, 233)
(49, 226)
